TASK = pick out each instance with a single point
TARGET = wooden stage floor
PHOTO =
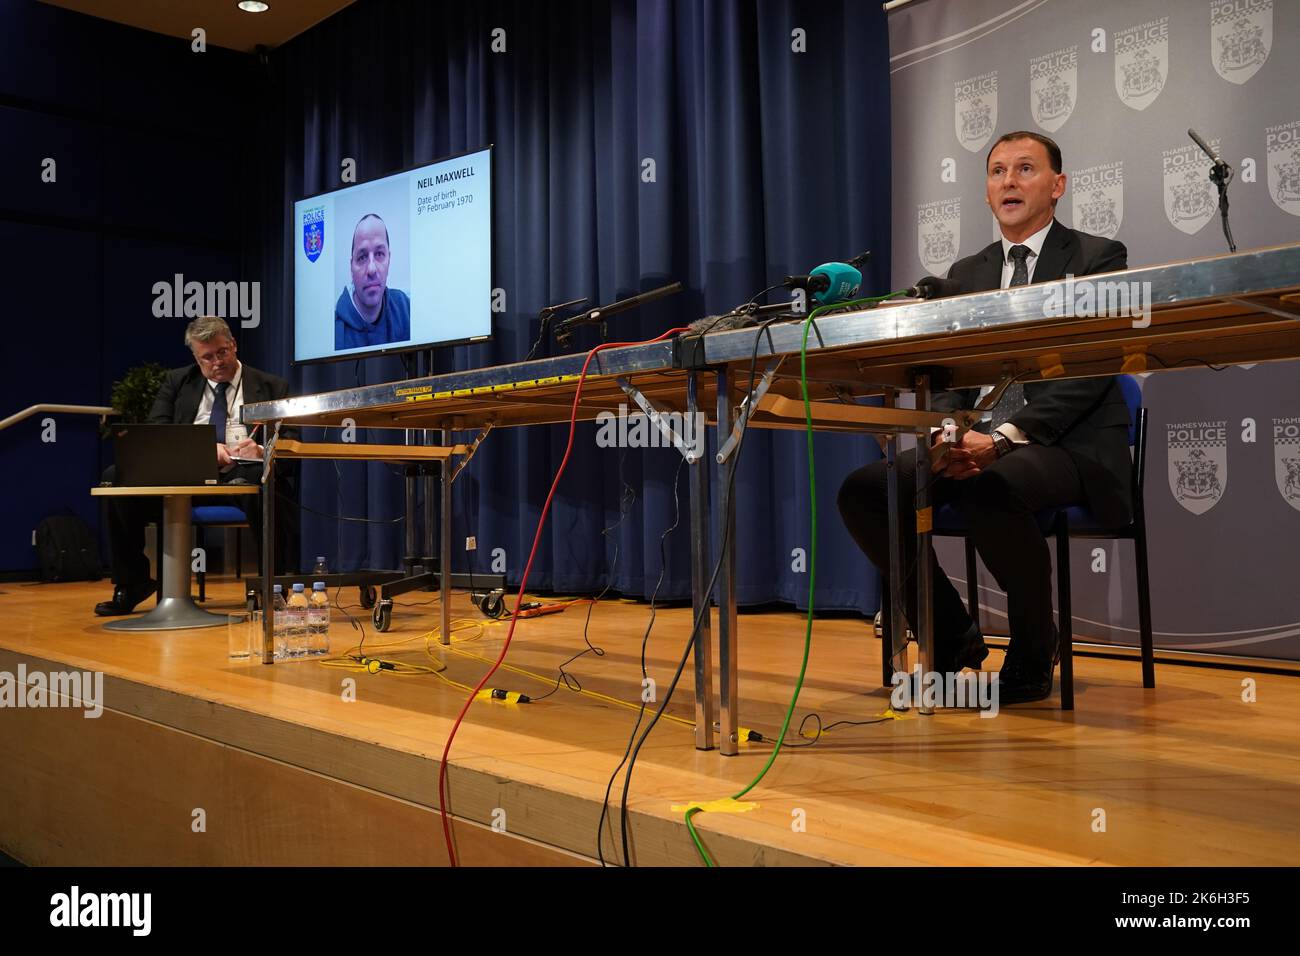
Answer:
(199, 760)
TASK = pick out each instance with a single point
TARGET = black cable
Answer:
(805, 742)
(645, 639)
(325, 514)
(627, 497)
(1199, 361)
(541, 336)
(704, 610)
(356, 626)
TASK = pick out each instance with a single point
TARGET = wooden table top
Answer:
(116, 490)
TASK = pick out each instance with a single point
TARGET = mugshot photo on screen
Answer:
(374, 305)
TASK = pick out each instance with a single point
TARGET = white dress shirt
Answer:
(235, 430)
(1035, 244)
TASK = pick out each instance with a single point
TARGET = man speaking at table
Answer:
(1051, 443)
(211, 391)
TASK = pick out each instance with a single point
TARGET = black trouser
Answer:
(999, 506)
(126, 517)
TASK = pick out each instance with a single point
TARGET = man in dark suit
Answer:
(1048, 444)
(211, 391)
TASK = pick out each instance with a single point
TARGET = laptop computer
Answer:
(149, 455)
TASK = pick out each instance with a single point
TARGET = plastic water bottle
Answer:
(296, 635)
(318, 621)
(320, 567)
(280, 623)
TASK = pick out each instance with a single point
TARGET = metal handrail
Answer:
(101, 410)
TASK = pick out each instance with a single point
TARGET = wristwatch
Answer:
(1002, 444)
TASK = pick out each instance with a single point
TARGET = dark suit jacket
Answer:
(178, 400)
(1086, 416)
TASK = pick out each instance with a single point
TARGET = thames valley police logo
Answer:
(1053, 79)
(1241, 35)
(1142, 62)
(313, 233)
(1283, 145)
(1286, 459)
(976, 106)
(1098, 193)
(938, 234)
(1198, 464)
(1190, 198)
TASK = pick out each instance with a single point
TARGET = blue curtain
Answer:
(767, 162)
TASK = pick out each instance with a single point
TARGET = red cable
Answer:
(523, 583)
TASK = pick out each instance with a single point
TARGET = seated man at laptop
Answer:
(210, 392)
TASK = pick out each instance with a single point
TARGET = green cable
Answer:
(812, 566)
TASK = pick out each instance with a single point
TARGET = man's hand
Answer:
(971, 455)
(248, 448)
(223, 456)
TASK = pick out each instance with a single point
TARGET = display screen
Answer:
(398, 263)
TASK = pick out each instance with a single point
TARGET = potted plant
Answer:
(134, 393)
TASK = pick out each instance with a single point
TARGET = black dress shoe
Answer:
(968, 650)
(1019, 684)
(1023, 679)
(125, 600)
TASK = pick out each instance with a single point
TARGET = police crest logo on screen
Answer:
(1286, 459)
(976, 108)
(1053, 80)
(1198, 463)
(938, 234)
(1241, 36)
(1190, 198)
(1098, 201)
(1282, 143)
(313, 233)
(1142, 62)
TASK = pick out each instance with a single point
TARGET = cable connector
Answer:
(509, 696)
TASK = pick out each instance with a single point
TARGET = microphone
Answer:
(932, 287)
(595, 316)
(1220, 174)
(829, 283)
(1205, 148)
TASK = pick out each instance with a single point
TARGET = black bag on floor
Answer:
(67, 550)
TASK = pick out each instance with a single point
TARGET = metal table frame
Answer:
(1231, 309)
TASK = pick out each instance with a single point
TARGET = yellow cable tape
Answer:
(1135, 359)
(1050, 365)
(924, 520)
(726, 805)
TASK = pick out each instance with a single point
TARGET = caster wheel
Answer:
(367, 595)
(383, 615)
(492, 604)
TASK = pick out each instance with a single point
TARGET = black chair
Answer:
(1077, 521)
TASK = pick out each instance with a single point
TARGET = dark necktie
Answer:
(219, 412)
(1013, 399)
(1020, 256)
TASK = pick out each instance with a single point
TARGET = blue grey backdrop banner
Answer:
(1117, 83)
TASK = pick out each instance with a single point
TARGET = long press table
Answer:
(1226, 309)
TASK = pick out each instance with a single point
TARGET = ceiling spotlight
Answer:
(254, 6)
